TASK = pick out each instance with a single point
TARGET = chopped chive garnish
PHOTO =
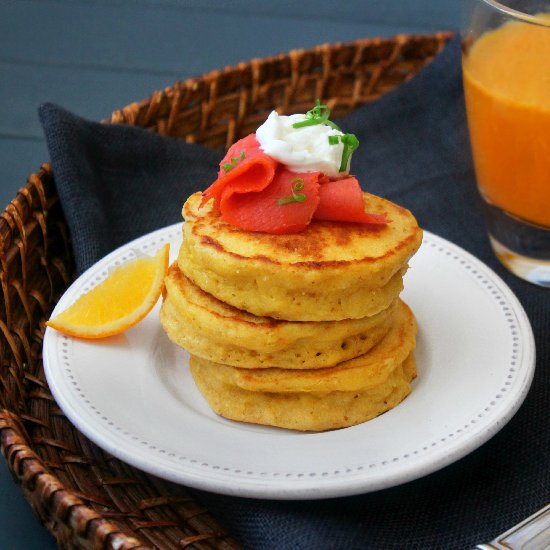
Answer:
(318, 115)
(332, 125)
(308, 122)
(314, 122)
(228, 166)
(350, 145)
(297, 184)
(319, 111)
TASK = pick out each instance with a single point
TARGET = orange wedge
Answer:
(119, 302)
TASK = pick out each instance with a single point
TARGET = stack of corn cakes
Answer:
(303, 331)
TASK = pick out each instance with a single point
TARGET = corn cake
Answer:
(218, 332)
(329, 271)
(318, 399)
(303, 411)
(360, 373)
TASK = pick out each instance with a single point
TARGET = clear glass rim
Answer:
(533, 19)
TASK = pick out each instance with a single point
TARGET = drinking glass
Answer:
(506, 69)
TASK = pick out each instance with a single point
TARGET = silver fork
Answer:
(532, 533)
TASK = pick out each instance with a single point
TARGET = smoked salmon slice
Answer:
(261, 211)
(256, 193)
(245, 168)
(342, 200)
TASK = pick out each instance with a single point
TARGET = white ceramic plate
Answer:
(134, 396)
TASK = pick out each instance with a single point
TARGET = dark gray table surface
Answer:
(95, 56)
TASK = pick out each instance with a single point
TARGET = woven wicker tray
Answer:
(85, 497)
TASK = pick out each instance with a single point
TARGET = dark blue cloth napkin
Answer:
(117, 183)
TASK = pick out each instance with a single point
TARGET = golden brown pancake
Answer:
(320, 399)
(361, 373)
(304, 411)
(329, 271)
(218, 332)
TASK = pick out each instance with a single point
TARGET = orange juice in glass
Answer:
(506, 69)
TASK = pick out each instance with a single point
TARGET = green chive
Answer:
(288, 200)
(332, 125)
(351, 143)
(308, 122)
(318, 115)
(297, 184)
(333, 140)
(319, 110)
(228, 166)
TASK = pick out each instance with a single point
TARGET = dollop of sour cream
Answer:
(305, 149)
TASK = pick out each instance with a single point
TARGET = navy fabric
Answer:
(119, 182)
(116, 183)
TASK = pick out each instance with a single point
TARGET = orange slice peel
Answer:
(118, 302)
